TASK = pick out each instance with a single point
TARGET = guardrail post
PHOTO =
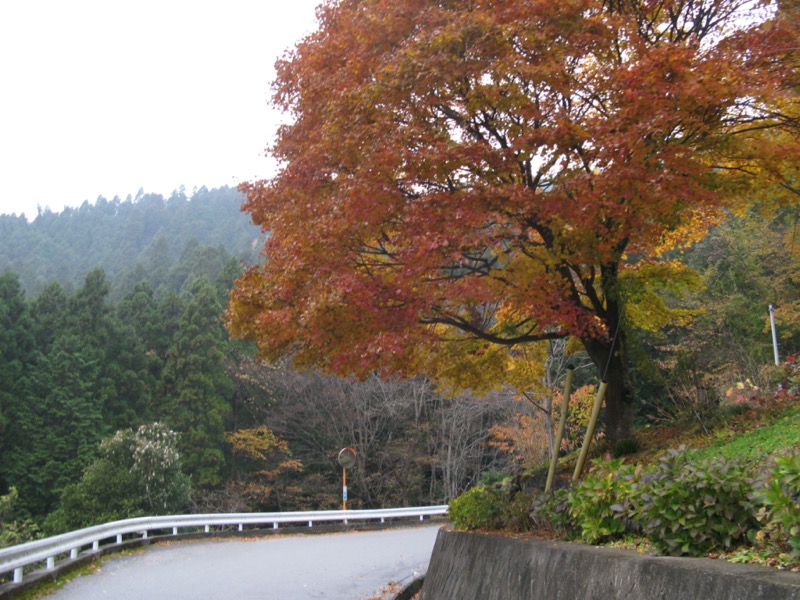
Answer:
(95, 545)
(207, 528)
(174, 531)
(119, 538)
(73, 553)
(311, 523)
(51, 563)
(275, 525)
(240, 527)
(144, 534)
(18, 575)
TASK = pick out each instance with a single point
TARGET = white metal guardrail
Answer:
(16, 558)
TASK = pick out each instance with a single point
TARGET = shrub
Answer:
(14, 530)
(478, 508)
(493, 478)
(600, 504)
(693, 506)
(137, 473)
(688, 506)
(516, 514)
(549, 512)
(780, 500)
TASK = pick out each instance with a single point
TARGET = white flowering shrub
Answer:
(137, 473)
(157, 467)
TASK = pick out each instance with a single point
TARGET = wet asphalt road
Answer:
(350, 566)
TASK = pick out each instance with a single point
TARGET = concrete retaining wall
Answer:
(495, 567)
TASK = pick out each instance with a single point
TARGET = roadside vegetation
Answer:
(731, 491)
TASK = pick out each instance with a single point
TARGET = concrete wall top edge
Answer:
(494, 566)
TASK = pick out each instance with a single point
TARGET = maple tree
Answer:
(261, 459)
(500, 171)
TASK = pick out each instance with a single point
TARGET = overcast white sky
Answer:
(103, 97)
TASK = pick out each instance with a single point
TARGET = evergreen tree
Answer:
(147, 231)
(140, 312)
(196, 385)
(16, 357)
(47, 312)
(72, 398)
(58, 425)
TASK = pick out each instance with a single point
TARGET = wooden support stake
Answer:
(587, 440)
(561, 424)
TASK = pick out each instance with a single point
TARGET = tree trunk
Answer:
(619, 400)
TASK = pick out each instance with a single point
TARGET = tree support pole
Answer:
(561, 424)
(587, 440)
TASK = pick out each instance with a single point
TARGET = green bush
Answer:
(549, 512)
(479, 508)
(516, 514)
(493, 478)
(600, 504)
(14, 529)
(693, 506)
(780, 500)
(137, 473)
(690, 505)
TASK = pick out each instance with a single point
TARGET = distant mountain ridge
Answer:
(132, 240)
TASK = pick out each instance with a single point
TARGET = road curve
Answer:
(347, 566)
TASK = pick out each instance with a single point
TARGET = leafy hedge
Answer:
(478, 508)
(780, 504)
(687, 505)
(695, 506)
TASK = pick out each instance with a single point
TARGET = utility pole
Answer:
(774, 334)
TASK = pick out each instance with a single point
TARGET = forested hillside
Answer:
(133, 239)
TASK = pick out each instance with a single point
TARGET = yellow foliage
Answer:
(262, 447)
(691, 230)
(574, 345)
(644, 285)
(460, 362)
(581, 401)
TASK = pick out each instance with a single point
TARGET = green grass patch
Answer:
(779, 434)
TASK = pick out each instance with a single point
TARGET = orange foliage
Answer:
(486, 166)
(526, 438)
